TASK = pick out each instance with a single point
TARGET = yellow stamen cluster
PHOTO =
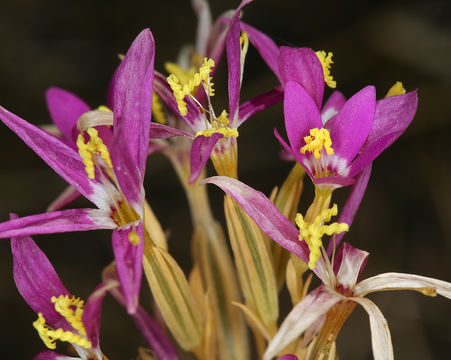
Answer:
(396, 89)
(157, 110)
(313, 232)
(219, 126)
(93, 147)
(64, 305)
(316, 141)
(326, 61)
(180, 91)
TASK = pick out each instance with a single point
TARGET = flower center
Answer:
(313, 232)
(316, 141)
(396, 89)
(185, 83)
(71, 308)
(326, 61)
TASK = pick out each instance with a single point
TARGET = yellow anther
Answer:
(183, 75)
(104, 108)
(396, 89)
(313, 232)
(94, 146)
(326, 61)
(157, 110)
(50, 335)
(180, 91)
(226, 131)
(133, 237)
(223, 119)
(65, 305)
(318, 139)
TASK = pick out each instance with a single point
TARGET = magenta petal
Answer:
(200, 153)
(288, 357)
(36, 279)
(264, 213)
(267, 48)
(259, 103)
(60, 157)
(301, 114)
(351, 206)
(193, 118)
(302, 66)
(51, 355)
(352, 262)
(57, 222)
(66, 197)
(234, 68)
(332, 106)
(159, 131)
(154, 334)
(65, 109)
(129, 263)
(92, 311)
(353, 123)
(133, 83)
(391, 118)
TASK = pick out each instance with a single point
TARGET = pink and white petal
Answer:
(302, 66)
(352, 125)
(267, 217)
(92, 311)
(259, 103)
(200, 153)
(301, 114)
(351, 206)
(204, 25)
(51, 355)
(391, 118)
(36, 279)
(129, 263)
(57, 222)
(60, 157)
(332, 106)
(159, 131)
(380, 334)
(304, 314)
(352, 262)
(267, 48)
(399, 281)
(333, 182)
(193, 118)
(65, 109)
(66, 197)
(132, 102)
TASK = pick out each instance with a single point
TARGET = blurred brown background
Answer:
(404, 220)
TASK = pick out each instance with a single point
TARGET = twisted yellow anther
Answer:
(326, 61)
(396, 89)
(157, 110)
(94, 146)
(134, 238)
(64, 305)
(316, 141)
(180, 91)
(313, 232)
(226, 131)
